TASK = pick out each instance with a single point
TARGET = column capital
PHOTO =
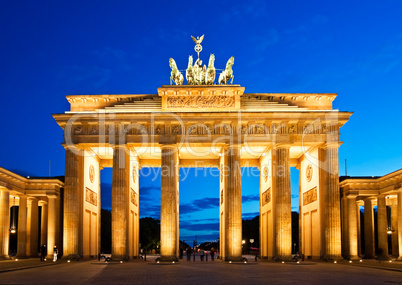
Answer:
(351, 196)
(282, 146)
(74, 147)
(235, 145)
(114, 146)
(335, 144)
(168, 146)
(227, 145)
(370, 199)
(360, 203)
(5, 190)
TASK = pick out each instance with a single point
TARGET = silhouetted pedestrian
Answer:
(43, 252)
(55, 253)
(212, 254)
(188, 252)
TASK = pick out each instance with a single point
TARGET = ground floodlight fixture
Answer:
(230, 261)
(298, 262)
(121, 261)
(173, 262)
(16, 259)
(390, 261)
(283, 261)
(68, 260)
(335, 261)
(350, 261)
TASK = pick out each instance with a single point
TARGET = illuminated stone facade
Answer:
(204, 126)
(30, 194)
(384, 192)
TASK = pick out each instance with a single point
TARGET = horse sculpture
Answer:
(199, 72)
(190, 71)
(210, 76)
(227, 73)
(175, 74)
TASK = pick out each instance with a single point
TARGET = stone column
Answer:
(352, 227)
(51, 225)
(399, 193)
(368, 228)
(382, 227)
(22, 227)
(394, 226)
(120, 194)
(28, 237)
(359, 235)
(72, 204)
(4, 223)
(332, 213)
(345, 227)
(59, 240)
(169, 201)
(233, 205)
(43, 225)
(283, 209)
(33, 249)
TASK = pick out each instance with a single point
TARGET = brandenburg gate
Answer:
(203, 124)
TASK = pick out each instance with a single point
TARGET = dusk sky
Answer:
(50, 49)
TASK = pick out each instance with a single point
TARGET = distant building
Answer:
(40, 222)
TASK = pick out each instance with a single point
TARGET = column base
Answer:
(168, 258)
(234, 258)
(5, 257)
(399, 258)
(383, 257)
(333, 257)
(354, 257)
(70, 257)
(24, 256)
(283, 258)
(120, 258)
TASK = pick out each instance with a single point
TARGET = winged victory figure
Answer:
(198, 40)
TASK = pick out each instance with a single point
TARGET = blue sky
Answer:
(50, 49)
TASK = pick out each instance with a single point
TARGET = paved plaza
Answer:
(217, 272)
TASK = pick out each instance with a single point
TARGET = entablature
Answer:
(32, 187)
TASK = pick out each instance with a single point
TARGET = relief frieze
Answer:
(310, 196)
(133, 197)
(266, 197)
(91, 197)
(222, 101)
(201, 129)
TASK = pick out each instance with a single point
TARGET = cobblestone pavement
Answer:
(93, 272)
(6, 265)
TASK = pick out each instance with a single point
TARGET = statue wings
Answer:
(199, 40)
